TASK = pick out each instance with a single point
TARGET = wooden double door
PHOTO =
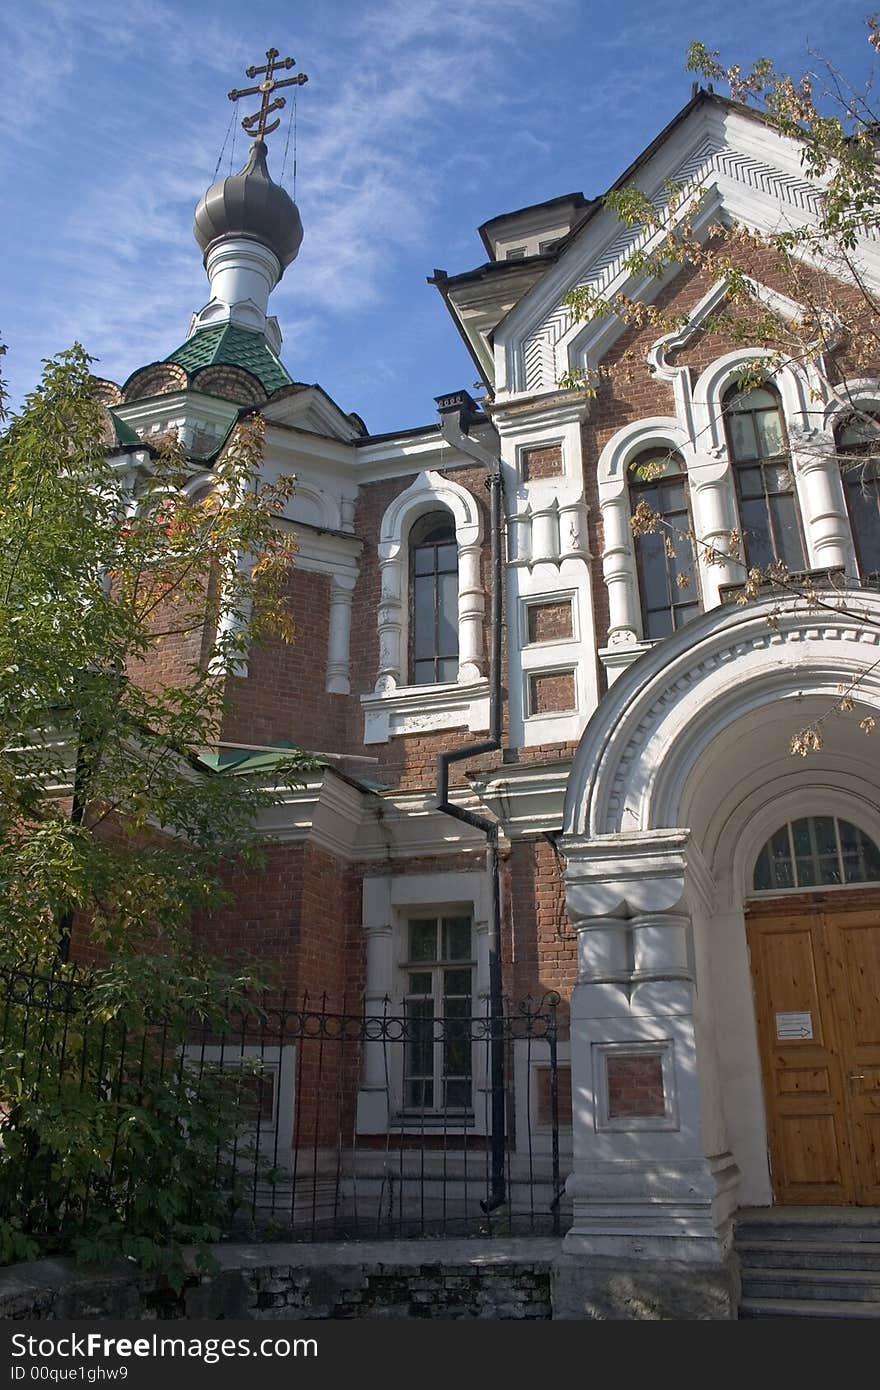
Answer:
(816, 971)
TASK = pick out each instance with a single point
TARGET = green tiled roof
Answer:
(227, 345)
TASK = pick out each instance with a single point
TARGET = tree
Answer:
(111, 825)
(822, 310)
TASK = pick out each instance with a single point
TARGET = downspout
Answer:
(456, 411)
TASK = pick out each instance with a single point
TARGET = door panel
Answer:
(853, 946)
(819, 956)
(803, 1085)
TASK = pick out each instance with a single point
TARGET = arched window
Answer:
(858, 443)
(814, 852)
(433, 592)
(665, 557)
(758, 446)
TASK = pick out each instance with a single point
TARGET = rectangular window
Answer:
(515, 253)
(438, 1007)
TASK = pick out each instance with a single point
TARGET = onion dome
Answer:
(250, 204)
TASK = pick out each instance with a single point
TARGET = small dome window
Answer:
(816, 852)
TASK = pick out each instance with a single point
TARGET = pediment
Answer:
(743, 170)
(310, 408)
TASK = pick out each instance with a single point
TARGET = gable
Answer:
(746, 171)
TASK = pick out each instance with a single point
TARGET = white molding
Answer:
(630, 770)
(417, 709)
(746, 173)
(527, 799)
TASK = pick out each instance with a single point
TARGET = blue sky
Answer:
(420, 120)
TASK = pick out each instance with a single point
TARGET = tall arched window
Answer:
(858, 443)
(665, 557)
(758, 446)
(433, 616)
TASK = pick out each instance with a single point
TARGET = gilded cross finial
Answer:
(256, 125)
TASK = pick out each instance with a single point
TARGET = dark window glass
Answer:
(665, 557)
(770, 523)
(816, 851)
(438, 1008)
(858, 443)
(433, 601)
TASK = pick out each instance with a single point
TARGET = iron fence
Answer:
(333, 1123)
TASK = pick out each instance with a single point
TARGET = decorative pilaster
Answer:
(339, 635)
(471, 606)
(650, 1182)
(373, 1103)
(822, 500)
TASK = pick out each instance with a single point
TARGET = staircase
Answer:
(809, 1262)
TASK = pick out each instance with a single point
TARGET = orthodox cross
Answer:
(255, 125)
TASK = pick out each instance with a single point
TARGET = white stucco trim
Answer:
(412, 708)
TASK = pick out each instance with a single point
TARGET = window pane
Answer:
(659, 624)
(423, 636)
(826, 840)
(447, 615)
(423, 673)
(871, 857)
(423, 559)
(768, 426)
(458, 1095)
(447, 671)
(762, 879)
(743, 440)
(652, 556)
(447, 558)
(806, 873)
(788, 532)
(800, 832)
(456, 938)
(751, 482)
(423, 940)
(420, 982)
(456, 985)
(862, 497)
(756, 534)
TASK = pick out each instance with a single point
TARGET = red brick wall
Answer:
(283, 697)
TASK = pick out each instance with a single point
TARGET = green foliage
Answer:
(117, 1143)
(109, 1149)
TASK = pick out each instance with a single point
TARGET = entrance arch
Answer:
(680, 777)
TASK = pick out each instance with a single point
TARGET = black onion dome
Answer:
(250, 204)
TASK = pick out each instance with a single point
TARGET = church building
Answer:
(555, 753)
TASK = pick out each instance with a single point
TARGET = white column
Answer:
(471, 606)
(822, 501)
(339, 635)
(391, 619)
(619, 568)
(713, 501)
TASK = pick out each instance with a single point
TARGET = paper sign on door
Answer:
(793, 1027)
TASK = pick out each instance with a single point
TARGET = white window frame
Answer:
(395, 707)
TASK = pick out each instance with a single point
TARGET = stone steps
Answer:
(796, 1308)
(809, 1263)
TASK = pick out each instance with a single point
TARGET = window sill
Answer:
(416, 709)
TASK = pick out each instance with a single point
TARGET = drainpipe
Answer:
(457, 412)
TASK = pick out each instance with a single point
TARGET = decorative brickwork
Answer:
(545, 462)
(550, 621)
(635, 1086)
(551, 692)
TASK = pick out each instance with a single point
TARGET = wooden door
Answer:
(816, 970)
